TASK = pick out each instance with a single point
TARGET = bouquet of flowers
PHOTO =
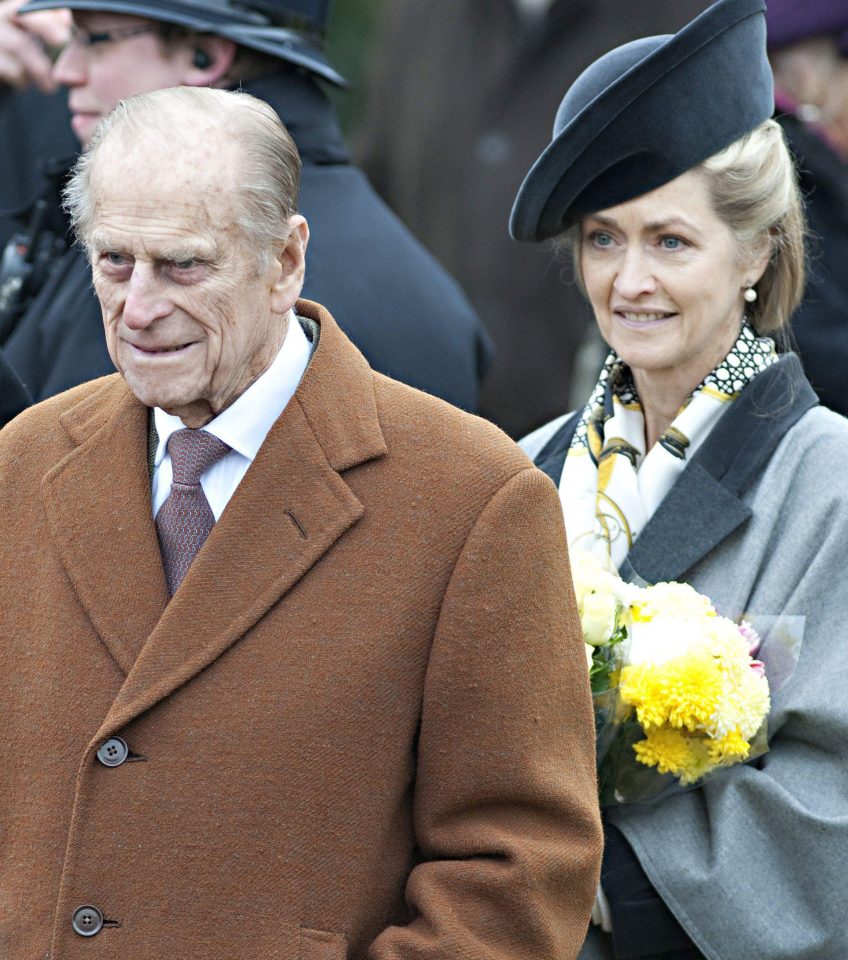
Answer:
(678, 693)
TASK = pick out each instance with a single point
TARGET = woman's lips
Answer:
(643, 320)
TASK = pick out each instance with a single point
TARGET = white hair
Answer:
(270, 163)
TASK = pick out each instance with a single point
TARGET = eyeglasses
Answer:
(93, 38)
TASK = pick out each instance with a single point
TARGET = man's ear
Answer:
(291, 266)
(210, 59)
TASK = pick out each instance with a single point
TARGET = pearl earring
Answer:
(750, 295)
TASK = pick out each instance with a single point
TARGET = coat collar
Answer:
(705, 504)
(307, 113)
(292, 505)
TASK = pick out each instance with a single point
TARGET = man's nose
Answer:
(144, 303)
(635, 275)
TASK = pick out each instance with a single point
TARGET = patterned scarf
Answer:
(610, 488)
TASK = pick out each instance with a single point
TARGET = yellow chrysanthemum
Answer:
(674, 752)
(683, 693)
(667, 750)
(729, 749)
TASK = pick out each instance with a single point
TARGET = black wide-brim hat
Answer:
(252, 23)
(647, 112)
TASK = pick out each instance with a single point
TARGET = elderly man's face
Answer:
(102, 73)
(193, 313)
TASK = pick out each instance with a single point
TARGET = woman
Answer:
(703, 456)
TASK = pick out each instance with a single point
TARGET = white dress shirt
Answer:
(243, 426)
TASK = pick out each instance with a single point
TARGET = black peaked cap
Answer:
(258, 24)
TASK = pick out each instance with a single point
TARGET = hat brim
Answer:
(611, 151)
(244, 28)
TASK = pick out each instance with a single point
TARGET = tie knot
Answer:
(193, 452)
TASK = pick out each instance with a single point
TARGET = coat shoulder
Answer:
(40, 435)
(441, 440)
(818, 442)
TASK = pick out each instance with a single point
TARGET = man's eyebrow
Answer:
(102, 241)
(203, 252)
(190, 250)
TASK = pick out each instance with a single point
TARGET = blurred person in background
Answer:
(34, 126)
(398, 305)
(808, 48)
(34, 119)
(459, 105)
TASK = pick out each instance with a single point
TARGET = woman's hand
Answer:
(23, 60)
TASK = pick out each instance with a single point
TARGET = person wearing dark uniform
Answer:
(34, 127)
(397, 304)
(34, 118)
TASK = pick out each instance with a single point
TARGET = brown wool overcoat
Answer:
(360, 728)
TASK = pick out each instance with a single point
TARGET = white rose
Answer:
(598, 618)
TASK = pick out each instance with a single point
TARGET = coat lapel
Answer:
(695, 516)
(289, 510)
(705, 505)
(97, 502)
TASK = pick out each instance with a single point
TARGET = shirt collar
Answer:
(244, 425)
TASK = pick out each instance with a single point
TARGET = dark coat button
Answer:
(113, 752)
(87, 921)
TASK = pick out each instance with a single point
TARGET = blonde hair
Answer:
(754, 190)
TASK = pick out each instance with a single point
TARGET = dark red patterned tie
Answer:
(185, 518)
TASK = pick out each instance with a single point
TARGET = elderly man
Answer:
(401, 309)
(291, 663)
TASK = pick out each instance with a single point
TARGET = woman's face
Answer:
(665, 280)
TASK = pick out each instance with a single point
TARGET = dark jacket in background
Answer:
(820, 325)
(396, 303)
(34, 128)
(462, 101)
(14, 397)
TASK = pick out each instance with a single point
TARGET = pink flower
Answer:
(751, 636)
(758, 667)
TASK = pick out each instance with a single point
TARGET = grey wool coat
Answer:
(752, 864)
